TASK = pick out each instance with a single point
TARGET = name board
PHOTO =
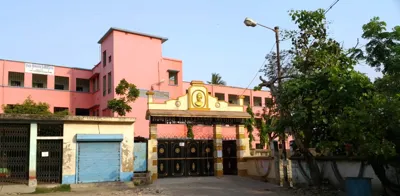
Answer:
(39, 69)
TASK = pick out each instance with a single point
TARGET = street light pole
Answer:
(251, 23)
(279, 75)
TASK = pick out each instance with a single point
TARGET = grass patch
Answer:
(61, 188)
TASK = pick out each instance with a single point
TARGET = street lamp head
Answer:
(250, 22)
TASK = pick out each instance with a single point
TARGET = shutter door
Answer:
(98, 162)
(140, 154)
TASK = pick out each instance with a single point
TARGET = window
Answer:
(109, 82)
(233, 99)
(173, 77)
(268, 102)
(60, 109)
(220, 96)
(104, 85)
(39, 81)
(104, 58)
(61, 83)
(82, 85)
(82, 112)
(246, 100)
(257, 101)
(15, 79)
(109, 59)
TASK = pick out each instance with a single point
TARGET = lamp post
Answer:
(252, 23)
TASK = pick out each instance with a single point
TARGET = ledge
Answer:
(258, 158)
(32, 117)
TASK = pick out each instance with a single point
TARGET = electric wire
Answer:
(258, 71)
(263, 64)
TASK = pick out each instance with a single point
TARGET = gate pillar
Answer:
(218, 166)
(32, 182)
(152, 152)
(241, 150)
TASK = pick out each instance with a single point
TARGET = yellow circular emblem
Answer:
(161, 150)
(177, 150)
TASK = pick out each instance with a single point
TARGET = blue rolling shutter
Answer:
(98, 162)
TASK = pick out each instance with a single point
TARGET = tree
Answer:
(323, 101)
(216, 79)
(383, 53)
(266, 125)
(127, 93)
(31, 107)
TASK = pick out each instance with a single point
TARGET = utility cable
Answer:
(263, 64)
(326, 11)
(258, 71)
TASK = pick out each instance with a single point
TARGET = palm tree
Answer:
(216, 79)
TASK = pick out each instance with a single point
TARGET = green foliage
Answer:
(266, 125)
(249, 124)
(189, 133)
(383, 47)
(62, 113)
(27, 107)
(128, 93)
(31, 107)
(216, 79)
(383, 53)
(60, 188)
(329, 104)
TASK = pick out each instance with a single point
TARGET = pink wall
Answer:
(139, 60)
(108, 46)
(136, 59)
(55, 98)
(170, 64)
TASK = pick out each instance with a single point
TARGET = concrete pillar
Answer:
(241, 150)
(27, 80)
(218, 166)
(241, 100)
(152, 152)
(149, 96)
(51, 80)
(32, 154)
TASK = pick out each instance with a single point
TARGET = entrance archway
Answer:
(195, 107)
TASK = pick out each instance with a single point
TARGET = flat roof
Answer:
(163, 39)
(20, 61)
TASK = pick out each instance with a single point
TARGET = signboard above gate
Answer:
(39, 69)
(197, 106)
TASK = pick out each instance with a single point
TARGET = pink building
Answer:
(135, 56)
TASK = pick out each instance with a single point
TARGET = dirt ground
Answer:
(226, 186)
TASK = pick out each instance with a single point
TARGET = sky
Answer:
(208, 35)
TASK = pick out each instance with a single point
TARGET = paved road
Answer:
(228, 185)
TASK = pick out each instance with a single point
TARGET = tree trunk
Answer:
(390, 188)
(315, 172)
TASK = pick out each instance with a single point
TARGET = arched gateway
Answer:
(197, 157)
